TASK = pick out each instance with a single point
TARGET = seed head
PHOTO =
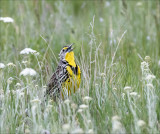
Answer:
(9, 81)
(80, 111)
(133, 94)
(67, 101)
(141, 123)
(83, 106)
(73, 106)
(128, 89)
(66, 127)
(87, 98)
(148, 59)
(35, 101)
(27, 131)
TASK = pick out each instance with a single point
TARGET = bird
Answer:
(67, 77)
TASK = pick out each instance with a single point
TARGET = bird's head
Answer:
(67, 55)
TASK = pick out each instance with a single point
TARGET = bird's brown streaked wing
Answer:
(53, 86)
(55, 83)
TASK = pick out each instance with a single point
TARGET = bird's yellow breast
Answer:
(70, 59)
(72, 83)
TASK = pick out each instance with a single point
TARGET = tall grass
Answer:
(117, 48)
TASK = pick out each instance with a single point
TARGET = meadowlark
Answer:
(67, 77)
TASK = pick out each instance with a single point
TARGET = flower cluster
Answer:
(2, 66)
(28, 72)
(28, 51)
(6, 19)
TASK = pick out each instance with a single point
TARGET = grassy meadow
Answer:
(117, 46)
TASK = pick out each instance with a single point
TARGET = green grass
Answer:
(111, 39)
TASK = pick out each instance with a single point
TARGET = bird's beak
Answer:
(70, 47)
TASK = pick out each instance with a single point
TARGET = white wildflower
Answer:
(67, 101)
(13, 92)
(35, 101)
(11, 64)
(6, 19)
(79, 110)
(20, 93)
(45, 86)
(150, 86)
(28, 71)
(25, 62)
(49, 106)
(107, 4)
(150, 98)
(141, 123)
(83, 106)
(147, 59)
(90, 131)
(116, 125)
(114, 88)
(148, 38)
(44, 89)
(77, 131)
(37, 53)
(73, 106)
(139, 4)
(102, 74)
(28, 51)
(96, 84)
(18, 84)
(150, 77)
(87, 98)
(133, 94)
(2, 66)
(66, 127)
(128, 88)
(27, 131)
(101, 19)
(10, 79)
(115, 118)
(144, 65)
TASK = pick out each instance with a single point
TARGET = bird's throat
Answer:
(70, 59)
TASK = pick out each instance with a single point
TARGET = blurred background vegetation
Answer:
(64, 22)
(93, 25)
